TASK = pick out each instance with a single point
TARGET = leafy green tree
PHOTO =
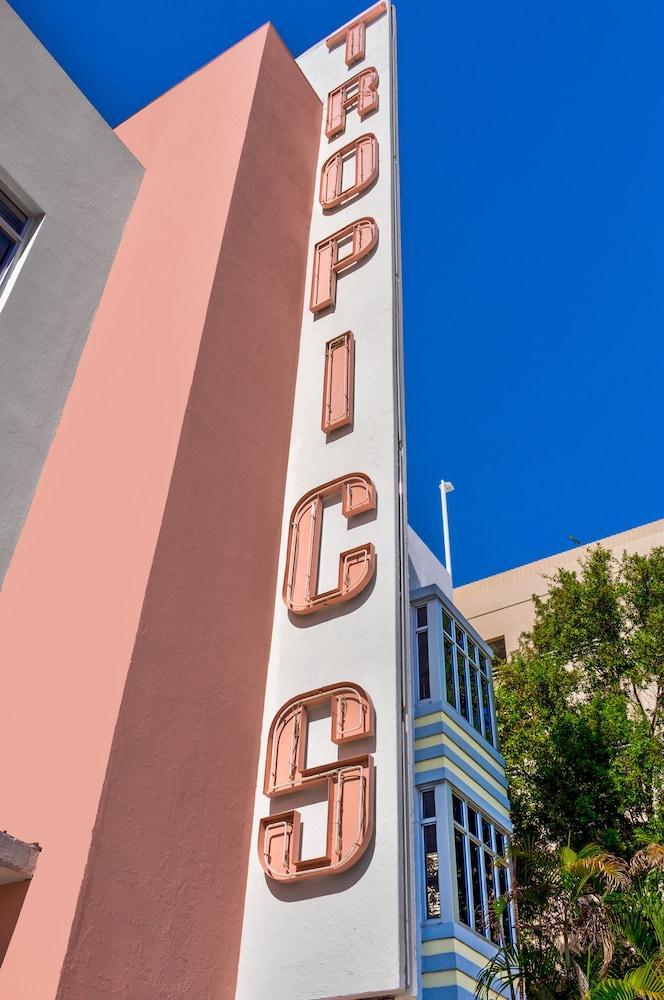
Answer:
(566, 936)
(591, 927)
(581, 706)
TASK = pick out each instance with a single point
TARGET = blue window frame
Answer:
(430, 854)
(14, 230)
(422, 641)
(467, 677)
(482, 872)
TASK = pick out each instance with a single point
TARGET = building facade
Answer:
(461, 795)
(251, 742)
(501, 607)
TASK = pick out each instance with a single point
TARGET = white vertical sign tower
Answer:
(328, 910)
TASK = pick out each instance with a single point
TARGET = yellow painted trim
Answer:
(481, 792)
(446, 945)
(478, 746)
(473, 763)
(453, 977)
(433, 762)
(427, 720)
(430, 765)
(429, 741)
(440, 947)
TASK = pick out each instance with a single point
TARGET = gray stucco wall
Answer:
(60, 157)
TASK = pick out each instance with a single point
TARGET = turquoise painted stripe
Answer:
(438, 931)
(429, 777)
(443, 931)
(426, 753)
(431, 729)
(450, 960)
(452, 713)
(443, 774)
(478, 776)
(428, 708)
(470, 773)
(447, 993)
(442, 729)
(445, 750)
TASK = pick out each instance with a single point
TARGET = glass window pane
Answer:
(475, 698)
(486, 710)
(472, 821)
(7, 247)
(502, 880)
(12, 214)
(476, 882)
(472, 651)
(422, 617)
(460, 636)
(462, 891)
(498, 647)
(457, 809)
(463, 690)
(447, 623)
(506, 920)
(486, 833)
(449, 673)
(490, 895)
(509, 926)
(501, 844)
(423, 663)
(431, 870)
(428, 804)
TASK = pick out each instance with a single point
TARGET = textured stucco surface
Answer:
(342, 935)
(502, 605)
(72, 599)
(160, 912)
(17, 859)
(60, 154)
(423, 567)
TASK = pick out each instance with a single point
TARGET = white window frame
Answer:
(481, 925)
(435, 822)
(22, 240)
(481, 665)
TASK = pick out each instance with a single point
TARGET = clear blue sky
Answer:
(533, 241)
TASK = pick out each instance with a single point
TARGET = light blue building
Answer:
(462, 808)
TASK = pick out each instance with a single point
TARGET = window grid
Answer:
(422, 643)
(467, 683)
(14, 231)
(430, 854)
(478, 842)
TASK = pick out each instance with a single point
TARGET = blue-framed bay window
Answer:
(16, 228)
(463, 865)
(453, 665)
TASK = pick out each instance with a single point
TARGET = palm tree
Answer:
(643, 983)
(639, 919)
(565, 923)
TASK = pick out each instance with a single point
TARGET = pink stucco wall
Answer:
(135, 513)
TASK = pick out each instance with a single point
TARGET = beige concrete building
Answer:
(501, 607)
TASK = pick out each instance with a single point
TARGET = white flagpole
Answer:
(446, 488)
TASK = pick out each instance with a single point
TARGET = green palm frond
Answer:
(649, 858)
(638, 934)
(579, 867)
(644, 983)
(501, 975)
(515, 970)
(641, 920)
